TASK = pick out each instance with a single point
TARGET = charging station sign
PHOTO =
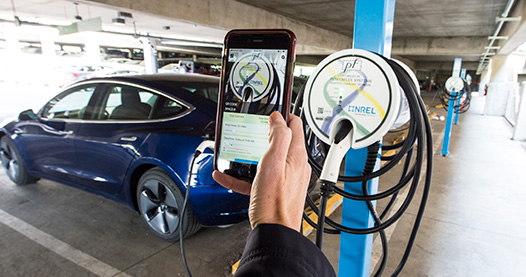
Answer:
(357, 85)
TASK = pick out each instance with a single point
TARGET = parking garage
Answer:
(74, 195)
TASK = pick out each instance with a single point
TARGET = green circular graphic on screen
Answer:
(252, 72)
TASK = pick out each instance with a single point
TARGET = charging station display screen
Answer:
(255, 83)
(354, 85)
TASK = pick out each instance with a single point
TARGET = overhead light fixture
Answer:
(118, 21)
(508, 19)
(498, 37)
(488, 54)
(492, 47)
(125, 15)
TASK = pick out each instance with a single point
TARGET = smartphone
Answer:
(256, 80)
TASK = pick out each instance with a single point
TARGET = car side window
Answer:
(168, 108)
(123, 102)
(72, 104)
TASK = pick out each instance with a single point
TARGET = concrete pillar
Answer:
(47, 41)
(13, 45)
(503, 81)
(150, 55)
(505, 68)
(519, 131)
(92, 48)
(11, 58)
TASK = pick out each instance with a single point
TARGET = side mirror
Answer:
(27, 115)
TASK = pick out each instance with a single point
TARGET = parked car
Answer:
(132, 140)
(67, 75)
(192, 67)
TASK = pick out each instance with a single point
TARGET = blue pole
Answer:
(373, 30)
(449, 121)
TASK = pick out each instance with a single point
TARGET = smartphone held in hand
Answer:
(256, 80)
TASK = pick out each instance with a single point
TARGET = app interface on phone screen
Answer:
(255, 82)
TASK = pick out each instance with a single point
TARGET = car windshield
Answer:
(208, 91)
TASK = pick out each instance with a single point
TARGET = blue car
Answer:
(132, 140)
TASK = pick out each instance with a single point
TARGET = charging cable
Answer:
(207, 144)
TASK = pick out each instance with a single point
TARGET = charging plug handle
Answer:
(203, 146)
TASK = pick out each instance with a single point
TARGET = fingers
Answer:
(232, 183)
(297, 144)
(279, 137)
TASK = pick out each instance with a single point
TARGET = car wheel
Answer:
(13, 163)
(160, 203)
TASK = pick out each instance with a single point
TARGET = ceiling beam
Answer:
(218, 13)
(445, 46)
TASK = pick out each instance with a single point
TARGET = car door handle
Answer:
(129, 138)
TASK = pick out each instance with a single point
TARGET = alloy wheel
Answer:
(10, 162)
(159, 207)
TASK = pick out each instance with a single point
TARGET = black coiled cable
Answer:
(419, 131)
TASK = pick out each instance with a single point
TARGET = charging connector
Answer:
(341, 137)
(206, 144)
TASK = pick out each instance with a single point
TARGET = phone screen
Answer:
(254, 88)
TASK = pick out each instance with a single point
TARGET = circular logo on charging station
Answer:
(252, 72)
(357, 85)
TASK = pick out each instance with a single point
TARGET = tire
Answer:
(13, 163)
(160, 202)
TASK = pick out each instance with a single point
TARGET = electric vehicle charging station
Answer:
(351, 100)
(454, 93)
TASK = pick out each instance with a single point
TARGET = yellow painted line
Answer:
(367, 95)
(235, 266)
(332, 204)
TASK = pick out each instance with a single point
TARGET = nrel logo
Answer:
(361, 109)
(256, 82)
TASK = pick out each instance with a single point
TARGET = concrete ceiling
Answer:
(413, 18)
(428, 19)
(425, 31)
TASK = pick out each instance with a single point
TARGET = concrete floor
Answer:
(472, 227)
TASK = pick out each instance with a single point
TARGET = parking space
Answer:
(64, 231)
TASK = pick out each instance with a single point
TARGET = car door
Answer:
(49, 140)
(108, 142)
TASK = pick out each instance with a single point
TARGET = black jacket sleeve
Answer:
(275, 250)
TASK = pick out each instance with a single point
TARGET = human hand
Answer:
(278, 192)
